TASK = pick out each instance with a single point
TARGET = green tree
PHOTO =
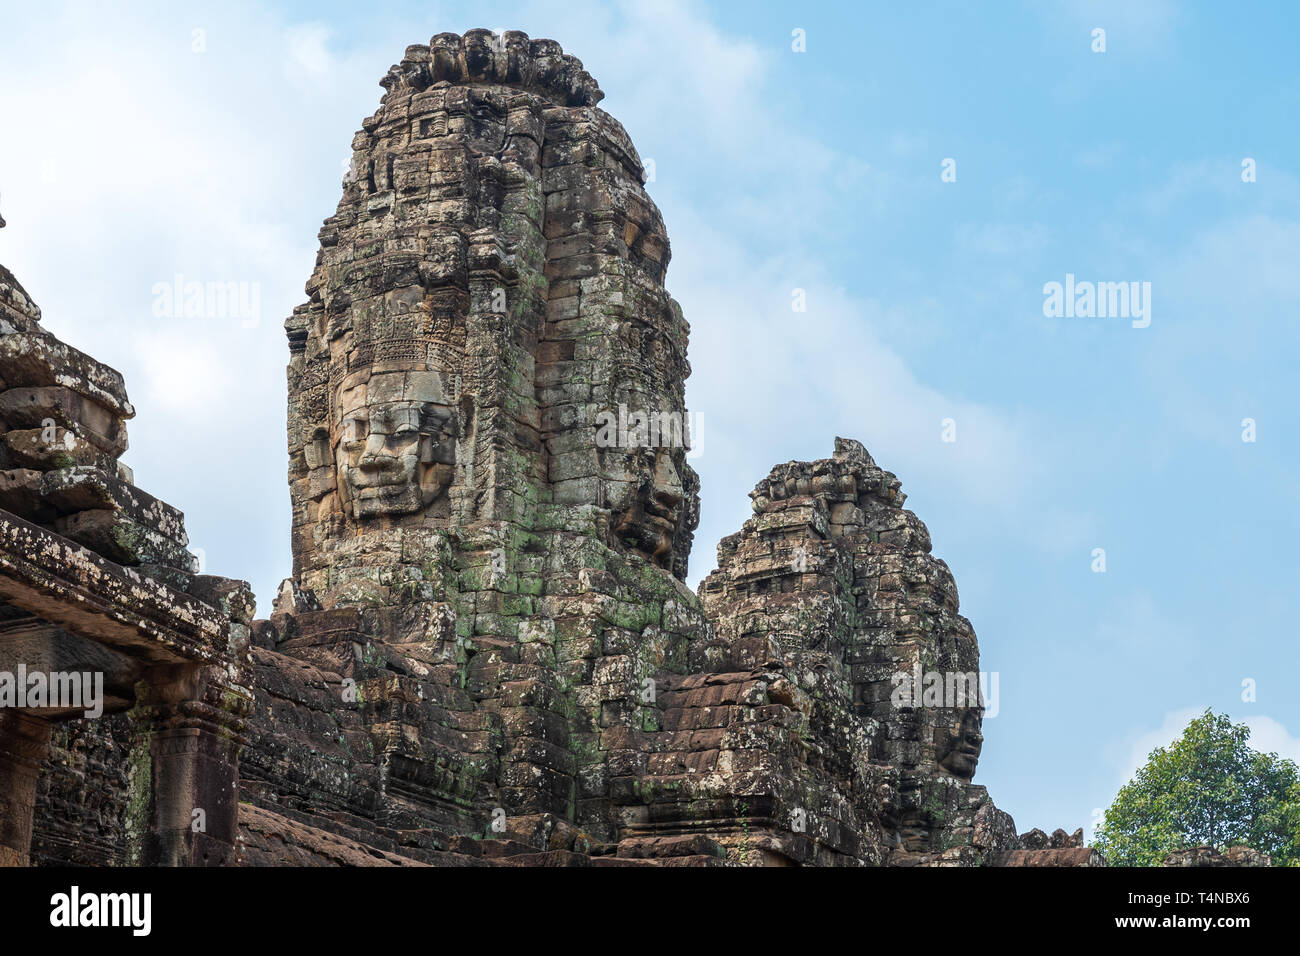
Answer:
(1208, 787)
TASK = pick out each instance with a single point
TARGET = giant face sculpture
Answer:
(493, 226)
(395, 435)
(958, 745)
(646, 482)
(647, 508)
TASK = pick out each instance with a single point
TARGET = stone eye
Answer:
(354, 430)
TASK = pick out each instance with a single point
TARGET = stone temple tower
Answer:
(469, 531)
(491, 282)
(487, 631)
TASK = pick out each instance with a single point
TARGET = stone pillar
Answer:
(188, 728)
(24, 744)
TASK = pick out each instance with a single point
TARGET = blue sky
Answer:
(127, 157)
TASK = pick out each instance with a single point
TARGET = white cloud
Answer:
(1271, 736)
(309, 55)
(775, 385)
(179, 373)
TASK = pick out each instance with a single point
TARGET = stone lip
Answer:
(510, 58)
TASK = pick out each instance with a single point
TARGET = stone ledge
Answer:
(64, 583)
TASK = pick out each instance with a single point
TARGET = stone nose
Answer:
(376, 456)
(667, 483)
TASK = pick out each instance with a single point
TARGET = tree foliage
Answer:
(1208, 787)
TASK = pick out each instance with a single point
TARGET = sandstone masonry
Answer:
(486, 654)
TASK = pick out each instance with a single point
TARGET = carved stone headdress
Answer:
(429, 337)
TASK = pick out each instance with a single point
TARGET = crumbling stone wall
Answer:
(96, 577)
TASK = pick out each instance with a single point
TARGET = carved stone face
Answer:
(959, 744)
(645, 479)
(485, 120)
(395, 442)
(647, 506)
(476, 116)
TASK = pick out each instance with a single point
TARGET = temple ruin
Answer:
(487, 653)
(100, 596)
